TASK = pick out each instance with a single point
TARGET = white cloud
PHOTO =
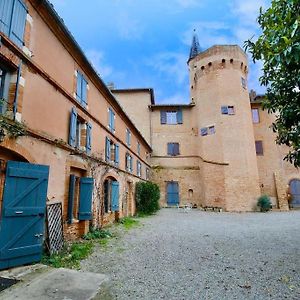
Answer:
(128, 27)
(97, 59)
(171, 64)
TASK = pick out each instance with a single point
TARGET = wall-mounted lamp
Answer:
(2, 135)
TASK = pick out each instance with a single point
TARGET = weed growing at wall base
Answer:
(264, 203)
(147, 197)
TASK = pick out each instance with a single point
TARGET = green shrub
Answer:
(147, 196)
(95, 234)
(264, 203)
(129, 222)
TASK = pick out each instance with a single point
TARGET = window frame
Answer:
(80, 97)
(173, 152)
(259, 153)
(258, 115)
(4, 88)
(128, 163)
(111, 120)
(128, 137)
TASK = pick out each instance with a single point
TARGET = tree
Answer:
(278, 47)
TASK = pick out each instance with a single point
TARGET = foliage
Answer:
(279, 48)
(264, 203)
(147, 197)
(129, 223)
(14, 129)
(94, 234)
(70, 256)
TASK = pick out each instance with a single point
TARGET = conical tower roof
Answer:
(195, 48)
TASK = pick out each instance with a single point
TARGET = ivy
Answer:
(13, 129)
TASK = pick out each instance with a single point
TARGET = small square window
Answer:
(204, 131)
(243, 81)
(224, 110)
(211, 130)
(231, 110)
(173, 149)
(259, 148)
(171, 117)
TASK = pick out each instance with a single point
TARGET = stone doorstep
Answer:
(44, 283)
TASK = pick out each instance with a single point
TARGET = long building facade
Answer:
(66, 139)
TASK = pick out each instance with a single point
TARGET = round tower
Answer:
(222, 114)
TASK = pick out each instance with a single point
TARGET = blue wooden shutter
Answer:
(18, 23)
(71, 198)
(85, 198)
(170, 148)
(117, 154)
(115, 196)
(88, 137)
(179, 116)
(113, 120)
(84, 91)
(224, 110)
(107, 149)
(73, 125)
(6, 7)
(79, 85)
(163, 117)
(109, 119)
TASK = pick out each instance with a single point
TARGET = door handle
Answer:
(38, 235)
(19, 212)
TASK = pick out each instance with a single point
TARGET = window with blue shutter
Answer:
(85, 198)
(128, 137)
(111, 120)
(139, 148)
(107, 149)
(204, 131)
(13, 19)
(131, 163)
(81, 89)
(117, 155)
(71, 198)
(163, 117)
(115, 196)
(224, 110)
(73, 127)
(179, 116)
(88, 138)
(173, 149)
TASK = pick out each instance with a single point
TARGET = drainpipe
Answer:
(17, 90)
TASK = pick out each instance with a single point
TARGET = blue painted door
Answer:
(172, 193)
(115, 196)
(23, 214)
(295, 192)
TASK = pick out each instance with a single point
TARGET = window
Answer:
(81, 90)
(227, 110)
(128, 137)
(12, 20)
(111, 152)
(4, 86)
(244, 84)
(208, 130)
(139, 148)
(147, 174)
(171, 117)
(173, 149)
(111, 120)
(139, 169)
(259, 148)
(80, 197)
(128, 162)
(255, 115)
(80, 135)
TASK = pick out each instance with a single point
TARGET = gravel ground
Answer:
(204, 255)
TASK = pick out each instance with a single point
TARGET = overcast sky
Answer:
(145, 43)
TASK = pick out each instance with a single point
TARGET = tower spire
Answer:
(195, 48)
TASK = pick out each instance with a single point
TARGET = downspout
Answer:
(15, 107)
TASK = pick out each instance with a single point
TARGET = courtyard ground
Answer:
(203, 255)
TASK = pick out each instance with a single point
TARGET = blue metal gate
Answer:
(172, 193)
(23, 214)
(295, 192)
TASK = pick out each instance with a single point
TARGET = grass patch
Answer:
(70, 256)
(103, 242)
(95, 234)
(129, 223)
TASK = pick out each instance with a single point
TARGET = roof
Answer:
(63, 28)
(172, 105)
(195, 48)
(136, 90)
